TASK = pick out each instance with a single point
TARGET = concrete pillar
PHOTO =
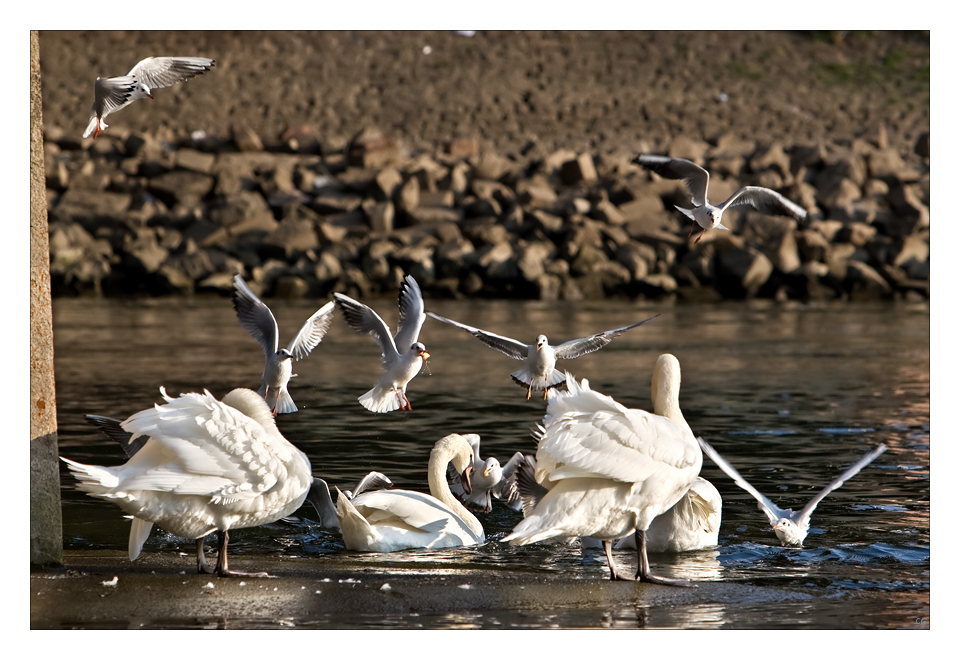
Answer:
(46, 523)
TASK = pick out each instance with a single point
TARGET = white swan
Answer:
(258, 320)
(539, 374)
(488, 479)
(790, 526)
(402, 356)
(391, 520)
(208, 466)
(610, 470)
(703, 212)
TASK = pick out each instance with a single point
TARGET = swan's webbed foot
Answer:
(223, 570)
(615, 573)
(643, 566)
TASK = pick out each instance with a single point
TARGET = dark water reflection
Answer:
(790, 396)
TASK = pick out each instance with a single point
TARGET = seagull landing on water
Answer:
(704, 213)
(112, 94)
(539, 373)
(790, 526)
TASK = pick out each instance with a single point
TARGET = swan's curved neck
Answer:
(666, 397)
(437, 481)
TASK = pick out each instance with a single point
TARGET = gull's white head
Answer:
(492, 469)
(789, 532)
(419, 349)
(284, 354)
(541, 341)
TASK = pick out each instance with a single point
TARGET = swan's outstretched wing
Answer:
(156, 72)
(411, 314)
(773, 512)
(766, 201)
(366, 321)
(807, 511)
(255, 317)
(693, 176)
(505, 345)
(312, 332)
(112, 429)
(577, 347)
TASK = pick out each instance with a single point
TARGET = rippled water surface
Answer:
(790, 396)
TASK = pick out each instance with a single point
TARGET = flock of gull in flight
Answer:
(612, 476)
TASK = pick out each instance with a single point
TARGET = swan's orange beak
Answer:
(465, 479)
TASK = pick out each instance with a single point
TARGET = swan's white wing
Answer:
(505, 345)
(807, 511)
(312, 332)
(411, 314)
(417, 510)
(204, 447)
(766, 201)
(693, 176)
(595, 438)
(773, 512)
(156, 72)
(255, 317)
(577, 347)
(366, 321)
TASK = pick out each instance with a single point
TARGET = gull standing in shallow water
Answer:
(539, 373)
(402, 355)
(112, 94)
(207, 466)
(258, 320)
(610, 470)
(790, 526)
(704, 213)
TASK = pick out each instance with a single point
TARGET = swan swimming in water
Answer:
(391, 520)
(259, 321)
(402, 355)
(539, 373)
(207, 466)
(610, 470)
(790, 526)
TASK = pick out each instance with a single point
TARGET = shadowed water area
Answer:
(790, 396)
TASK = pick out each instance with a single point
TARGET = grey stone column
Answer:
(46, 524)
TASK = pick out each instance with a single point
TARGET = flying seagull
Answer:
(790, 526)
(112, 94)
(706, 214)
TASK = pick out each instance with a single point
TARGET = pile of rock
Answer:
(135, 215)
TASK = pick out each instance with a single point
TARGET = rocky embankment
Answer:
(131, 215)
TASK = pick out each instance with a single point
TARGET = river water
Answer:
(790, 395)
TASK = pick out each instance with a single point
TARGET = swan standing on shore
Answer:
(539, 373)
(208, 466)
(112, 94)
(402, 356)
(704, 213)
(259, 321)
(391, 520)
(790, 526)
(610, 470)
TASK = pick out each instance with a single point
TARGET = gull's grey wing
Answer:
(156, 72)
(807, 511)
(111, 94)
(312, 332)
(112, 429)
(501, 489)
(319, 497)
(577, 347)
(774, 513)
(372, 481)
(366, 321)
(693, 176)
(255, 317)
(411, 314)
(505, 345)
(473, 440)
(766, 201)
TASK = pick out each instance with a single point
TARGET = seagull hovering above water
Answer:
(704, 213)
(403, 355)
(112, 94)
(539, 373)
(258, 320)
(790, 526)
